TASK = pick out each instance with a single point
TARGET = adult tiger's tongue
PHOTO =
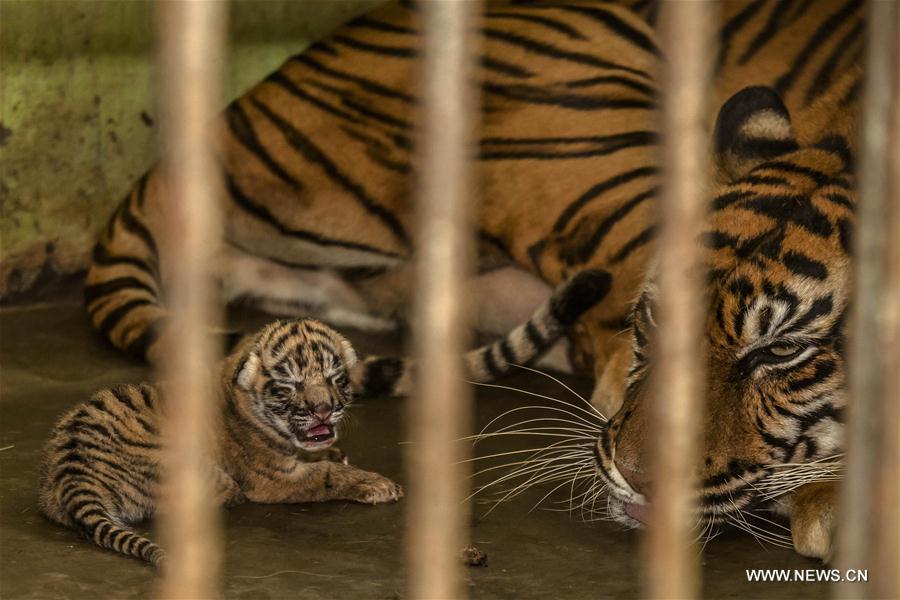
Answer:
(319, 433)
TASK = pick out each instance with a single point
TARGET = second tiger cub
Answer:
(283, 392)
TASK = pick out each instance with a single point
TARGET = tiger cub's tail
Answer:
(99, 471)
(90, 516)
(383, 376)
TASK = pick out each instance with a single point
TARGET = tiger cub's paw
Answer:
(335, 454)
(376, 490)
(332, 454)
(813, 520)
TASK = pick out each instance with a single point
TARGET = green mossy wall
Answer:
(77, 117)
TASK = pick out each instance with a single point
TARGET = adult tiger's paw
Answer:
(812, 515)
(376, 490)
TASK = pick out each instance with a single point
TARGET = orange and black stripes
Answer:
(101, 467)
(318, 160)
(123, 283)
(778, 258)
(282, 394)
(809, 44)
(317, 156)
(380, 376)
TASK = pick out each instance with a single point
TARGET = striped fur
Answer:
(380, 376)
(778, 253)
(317, 169)
(282, 395)
(318, 159)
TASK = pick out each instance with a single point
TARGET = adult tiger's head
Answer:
(778, 256)
(291, 380)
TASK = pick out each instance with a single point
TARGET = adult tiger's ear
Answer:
(753, 126)
(246, 371)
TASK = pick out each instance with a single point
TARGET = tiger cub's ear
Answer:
(246, 371)
(349, 354)
(753, 126)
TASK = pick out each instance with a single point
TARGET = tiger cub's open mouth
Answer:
(320, 435)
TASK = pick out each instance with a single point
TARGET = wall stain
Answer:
(5, 133)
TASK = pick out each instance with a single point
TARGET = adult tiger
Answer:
(779, 242)
(317, 161)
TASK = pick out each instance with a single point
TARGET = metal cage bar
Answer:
(191, 46)
(868, 532)
(887, 486)
(672, 570)
(440, 408)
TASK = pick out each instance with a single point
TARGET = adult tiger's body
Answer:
(317, 160)
(317, 170)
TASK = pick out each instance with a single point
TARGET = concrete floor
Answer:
(50, 359)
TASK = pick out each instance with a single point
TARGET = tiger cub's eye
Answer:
(784, 351)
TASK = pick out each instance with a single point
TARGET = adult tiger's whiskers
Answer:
(566, 462)
(785, 478)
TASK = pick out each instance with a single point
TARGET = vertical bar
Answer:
(887, 488)
(868, 531)
(672, 570)
(441, 405)
(887, 492)
(191, 38)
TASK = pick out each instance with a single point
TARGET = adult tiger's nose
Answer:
(638, 480)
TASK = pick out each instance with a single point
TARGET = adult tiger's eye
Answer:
(784, 351)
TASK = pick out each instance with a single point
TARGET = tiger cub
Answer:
(283, 394)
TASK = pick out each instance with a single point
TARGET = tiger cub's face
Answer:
(778, 247)
(295, 378)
